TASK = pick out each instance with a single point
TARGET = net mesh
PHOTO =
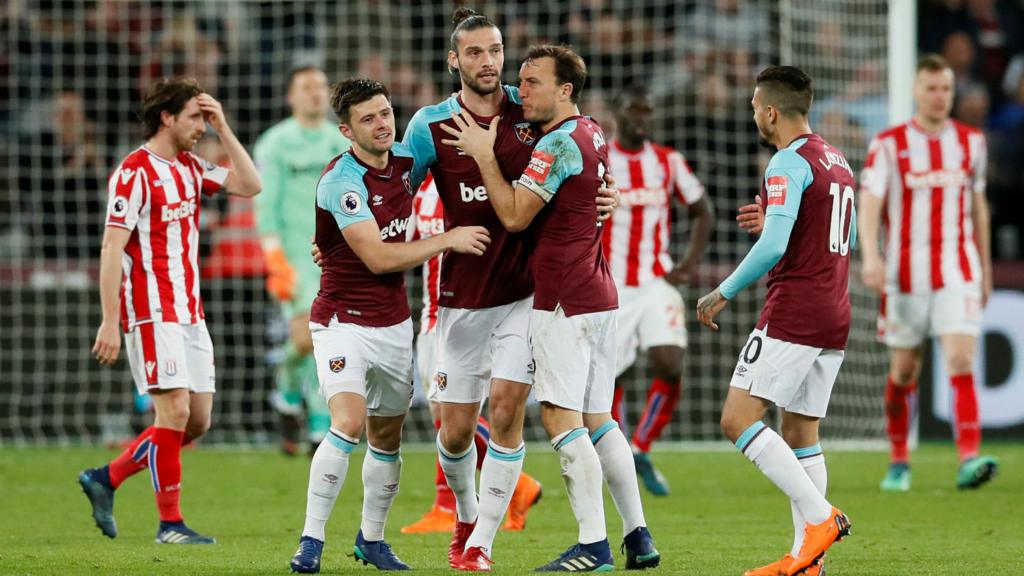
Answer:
(71, 77)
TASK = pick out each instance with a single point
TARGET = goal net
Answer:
(71, 77)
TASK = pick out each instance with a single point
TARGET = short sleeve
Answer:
(421, 145)
(785, 180)
(126, 196)
(556, 158)
(874, 178)
(685, 184)
(980, 167)
(346, 199)
(213, 176)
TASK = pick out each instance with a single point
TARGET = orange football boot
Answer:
(437, 520)
(818, 538)
(779, 568)
(527, 493)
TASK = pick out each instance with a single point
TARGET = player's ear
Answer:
(453, 62)
(345, 131)
(166, 118)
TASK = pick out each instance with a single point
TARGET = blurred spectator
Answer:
(62, 176)
(972, 105)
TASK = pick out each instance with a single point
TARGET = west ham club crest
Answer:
(337, 364)
(525, 133)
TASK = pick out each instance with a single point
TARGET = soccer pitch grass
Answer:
(722, 517)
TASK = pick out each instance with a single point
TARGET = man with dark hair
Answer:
(360, 321)
(936, 275)
(794, 353)
(290, 157)
(572, 324)
(484, 304)
(636, 245)
(149, 279)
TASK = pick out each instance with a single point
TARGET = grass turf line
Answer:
(722, 517)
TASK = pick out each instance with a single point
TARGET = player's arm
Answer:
(384, 257)
(873, 183)
(346, 199)
(108, 337)
(243, 179)
(981, 220)
(515, 206)
(701, 213)
(791, 171)
(281, 276)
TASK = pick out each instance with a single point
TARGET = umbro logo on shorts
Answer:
(337, 364)
(442, 380)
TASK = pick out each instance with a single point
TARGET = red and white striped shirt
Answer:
(928, 182)
(635, 239)
(157, 199)
(428, 220)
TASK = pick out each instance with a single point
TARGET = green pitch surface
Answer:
(722, 517)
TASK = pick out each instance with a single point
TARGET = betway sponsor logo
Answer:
(643, 197)
(470, 194)
(936, 179)
(179, 211)
(397, 227)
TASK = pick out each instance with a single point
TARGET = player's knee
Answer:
(455, 437)
(731, 426)
(904, 373)
(667, 364)
(959, 361)
(197, 427)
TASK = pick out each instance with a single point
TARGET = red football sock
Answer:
(481, 438)
(965, 414)
(897, 412)
(165, 470)
(662, 399)
(134, 459)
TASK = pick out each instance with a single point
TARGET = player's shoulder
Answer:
(345, 171)
(966, 129)
(892, 131)
(135, 159)
(402, 150)
(512, 92)
(278, 130)
(790, 157)
(432, 113)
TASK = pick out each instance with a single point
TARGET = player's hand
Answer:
(872, 273)
(281, 276)
(469, 137)
(468, 240)
(108, 343)
(318, 256)
(751, 216)
(709, 306)
(212, 112)
(607, 198)
(680, 275)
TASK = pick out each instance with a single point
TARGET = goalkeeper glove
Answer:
(280, 275)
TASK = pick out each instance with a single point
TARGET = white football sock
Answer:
(326, 477)
(581, 471)
(776, 460)
(460, 471)
(498, 478)
(620, 474)
(381, 473)
(813, 461)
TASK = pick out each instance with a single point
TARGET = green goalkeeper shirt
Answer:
(290, 159)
